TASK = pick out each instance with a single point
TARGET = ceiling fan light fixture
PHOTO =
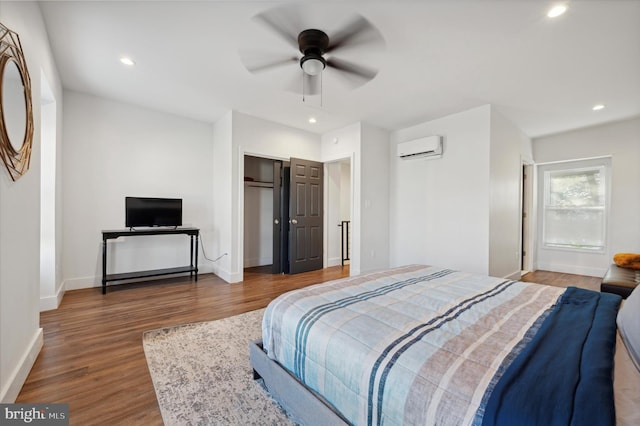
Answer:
(312, 64)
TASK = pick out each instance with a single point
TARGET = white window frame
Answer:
(604, 164)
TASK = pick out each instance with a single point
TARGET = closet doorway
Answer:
(283, 215)
(258, 202)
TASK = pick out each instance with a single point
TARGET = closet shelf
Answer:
(258, 184)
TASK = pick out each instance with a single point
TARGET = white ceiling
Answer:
(440, 57)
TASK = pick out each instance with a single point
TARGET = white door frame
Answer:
(527, 222)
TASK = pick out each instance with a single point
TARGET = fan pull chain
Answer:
(304, 88)
(321, 90)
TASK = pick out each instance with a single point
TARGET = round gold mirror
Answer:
(16, 114)
(14, 105)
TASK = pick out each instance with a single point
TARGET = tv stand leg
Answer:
(196, 253)
(104, 266)
(191, 257)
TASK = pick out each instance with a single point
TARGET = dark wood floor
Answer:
(93, 358)
(563, 280)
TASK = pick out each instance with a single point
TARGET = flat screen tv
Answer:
(144, 212)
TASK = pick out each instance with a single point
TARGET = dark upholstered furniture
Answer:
(620, 281)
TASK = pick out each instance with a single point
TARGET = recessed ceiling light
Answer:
(557, 10)
(598, 107)
(127, 61)
(312, 120)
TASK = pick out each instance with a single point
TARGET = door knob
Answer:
(294, 221)
(276, 221)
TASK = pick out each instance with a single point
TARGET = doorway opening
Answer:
(296, 215)
(50, 292)
(283, 215)
(258, 212)
(526, 201)
(338, 198)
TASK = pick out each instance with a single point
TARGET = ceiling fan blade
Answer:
(255, 67)
(360, 72)
(357, 31)
(282, 21)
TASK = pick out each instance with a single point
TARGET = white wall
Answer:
(345, 194)
(258, 225)
(221, 165)
(51, 290)
(621, 141)
(113, 150)
(258, 216)
(509, 146)
(337, 207)
(263, 138)
(345, 204)
(235, 136)
(461, 211)
(342, 144)
(439, 208)
(367, 147)
(374, 198)
(47, 204)
(20, 334)
(332, 198)
(254, 136)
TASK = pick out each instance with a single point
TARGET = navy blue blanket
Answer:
(564, 376)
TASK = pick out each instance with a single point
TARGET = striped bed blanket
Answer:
(420, 345)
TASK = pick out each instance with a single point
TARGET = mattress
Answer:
(427, 345)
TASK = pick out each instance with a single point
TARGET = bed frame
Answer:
(303, 405)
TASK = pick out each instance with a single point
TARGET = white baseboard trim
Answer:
(11, 389)
(222, 273)
(334, 261)
(230, 277)
(49, 303)
(572, 269)
(235, 277)
(80, 283)
(257, 261)
(514, 276)
(96, 281)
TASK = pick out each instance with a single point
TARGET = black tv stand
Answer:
(153, 228)
(194, 233)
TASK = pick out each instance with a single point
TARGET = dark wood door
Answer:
(281, 172)
(305, 216)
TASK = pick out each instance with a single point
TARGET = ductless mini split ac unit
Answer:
(429, 147)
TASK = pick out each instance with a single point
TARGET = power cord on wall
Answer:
(204, 253)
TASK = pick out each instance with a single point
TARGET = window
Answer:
(575, 206)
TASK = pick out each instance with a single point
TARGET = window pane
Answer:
(575, 228)
(576, 188)
(575, 208)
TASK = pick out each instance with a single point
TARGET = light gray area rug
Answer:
(202, 375)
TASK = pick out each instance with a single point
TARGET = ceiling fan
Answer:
(318, 49)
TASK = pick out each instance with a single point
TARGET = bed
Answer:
(427, 345)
